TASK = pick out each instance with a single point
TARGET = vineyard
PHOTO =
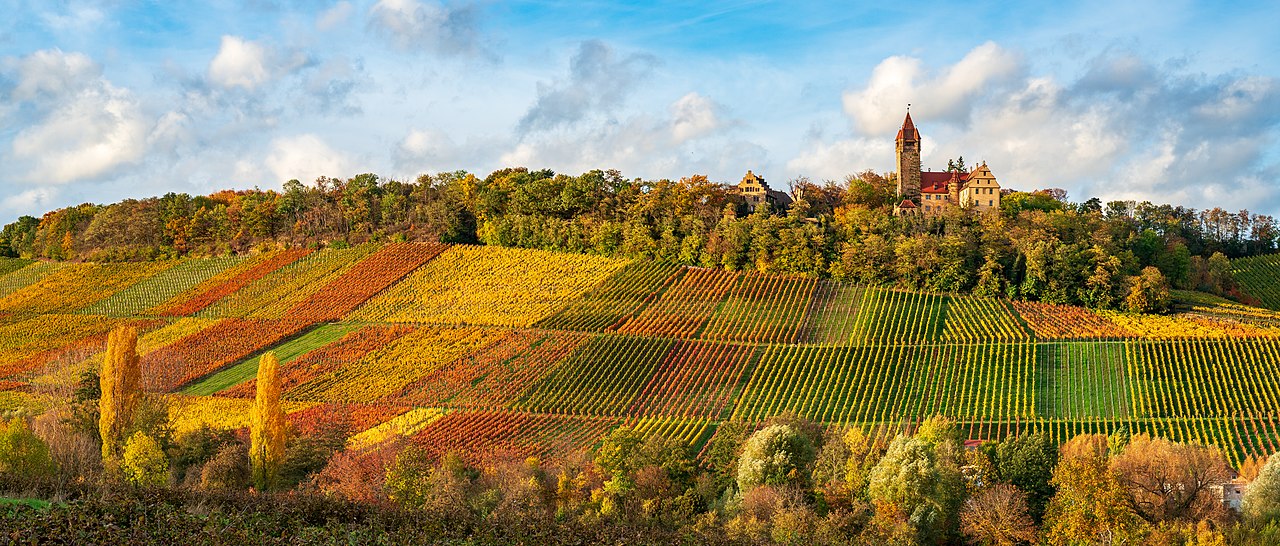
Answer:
(493, 352)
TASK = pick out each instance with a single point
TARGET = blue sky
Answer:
(1164, 101)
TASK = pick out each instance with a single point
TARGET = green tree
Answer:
(1262, 497)
(1027, 462)
(920, 479)
(776, 455)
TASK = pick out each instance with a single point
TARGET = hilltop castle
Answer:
(933, 192)
(755, 191)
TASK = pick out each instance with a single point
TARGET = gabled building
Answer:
(931, 192)
(755, 190)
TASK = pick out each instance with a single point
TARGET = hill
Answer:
(498, 351)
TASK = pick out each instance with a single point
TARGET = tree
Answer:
(1148, 292)
(1090, 505)
(998, 515)
(776, 455)
(144, 463)
(1262, 497)
(1027, 462)
(22, 453)
(1166, 480)
(267, 425)
(119, 384)
(921, 480)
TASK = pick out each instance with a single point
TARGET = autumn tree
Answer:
(267, 425)
(1148, 292)
(1165, 480)
(998, 516)
(119, 384)
(1090, 505)
(144, 463)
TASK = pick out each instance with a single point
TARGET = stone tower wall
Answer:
(909, 169)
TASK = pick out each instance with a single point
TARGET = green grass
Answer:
(37, 504)
(248, 368)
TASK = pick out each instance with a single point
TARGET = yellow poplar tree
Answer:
(267, 425)
(119, 384)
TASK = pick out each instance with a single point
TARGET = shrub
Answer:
(74, 449)
(22, 453)
(229, 469)
(144, 463)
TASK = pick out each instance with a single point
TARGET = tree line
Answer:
(1039, 246)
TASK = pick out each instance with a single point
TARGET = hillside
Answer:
(527, 352)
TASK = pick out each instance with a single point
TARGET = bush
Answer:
(229, 469)
(75, 450)
(196, 447)
(144, 463)
(22, 453)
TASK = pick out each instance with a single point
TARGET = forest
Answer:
(1040, 246)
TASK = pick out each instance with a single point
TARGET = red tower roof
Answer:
(908, 130)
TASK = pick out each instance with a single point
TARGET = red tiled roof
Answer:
(907, 204)
(936, 182)
(908, 129)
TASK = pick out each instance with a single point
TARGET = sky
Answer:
(1167, 101)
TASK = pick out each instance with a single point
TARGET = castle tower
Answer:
(909, 160)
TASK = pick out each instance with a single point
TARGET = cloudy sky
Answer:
(1166, 101)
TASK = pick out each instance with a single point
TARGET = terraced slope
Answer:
(504, 352)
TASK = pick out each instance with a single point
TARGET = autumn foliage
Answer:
(267, 425)
(119, 380)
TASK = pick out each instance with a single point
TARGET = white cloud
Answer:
(239, 63)
(305, 157)
(51, 73)
(334, 17)
(950, 93)
(599, 81)
(34, 199)
(691, 139)
(413, 25)
(834, 160)
(76, 17)
(694, 116)
(81, 126)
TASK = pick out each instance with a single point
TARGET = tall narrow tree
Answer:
(119, 382)
(267, 425)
